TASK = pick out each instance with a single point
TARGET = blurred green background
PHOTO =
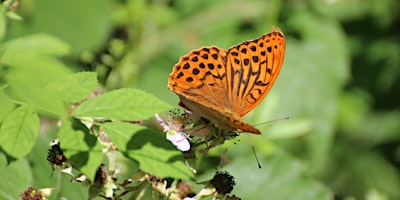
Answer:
(339, 85)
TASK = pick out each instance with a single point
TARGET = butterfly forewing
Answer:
(200, 75)
(260, 62)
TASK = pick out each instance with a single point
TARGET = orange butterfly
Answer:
(222, 86)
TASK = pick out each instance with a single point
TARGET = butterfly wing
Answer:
(223, 86)
(200, 77)
(254, 66)
(200, 80)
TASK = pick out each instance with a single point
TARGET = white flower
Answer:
(174, 131)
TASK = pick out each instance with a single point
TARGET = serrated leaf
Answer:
(19, 131)
(123, 104)
(16, 176)
(38, 44)
(76, 87)
(149, 148)
(80, 148)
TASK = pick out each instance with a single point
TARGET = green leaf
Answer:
(6, 106)
(80, 147)
(120, 133)
(3, 27)
(30, 71)
(26, 88)
(123, 104)
(149, 148)
(41, 68)
(75, 22)
(75, 87)
(38, 44)
(281, 177)
(16, 177)
(19, 131)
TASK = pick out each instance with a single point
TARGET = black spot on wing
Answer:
(186, 66)
(195, 59)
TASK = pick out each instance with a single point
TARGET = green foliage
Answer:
(16, 176)
(149, 148)
(288, 177)
(22, 58)
(35, 45)
(67, 69)
(75, 22)
(81, 148)
(75, 87)
(123, 104)
(6, 106)
(19, 131)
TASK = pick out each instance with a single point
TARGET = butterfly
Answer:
(224, 85)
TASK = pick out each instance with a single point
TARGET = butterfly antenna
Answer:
(254, 151)
(271, 121)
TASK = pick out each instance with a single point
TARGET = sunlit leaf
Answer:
(18, 175)
(2, 26)
(123, 104)
(6, 106)
(19, 131)
(38, 44)
(75, 22)
(27, 89)
(81, 149)
(75, 87)
(149, 148)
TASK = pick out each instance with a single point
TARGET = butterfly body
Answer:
(223, 119)
(223, 86)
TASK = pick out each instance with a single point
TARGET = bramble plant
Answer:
(93, 128)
